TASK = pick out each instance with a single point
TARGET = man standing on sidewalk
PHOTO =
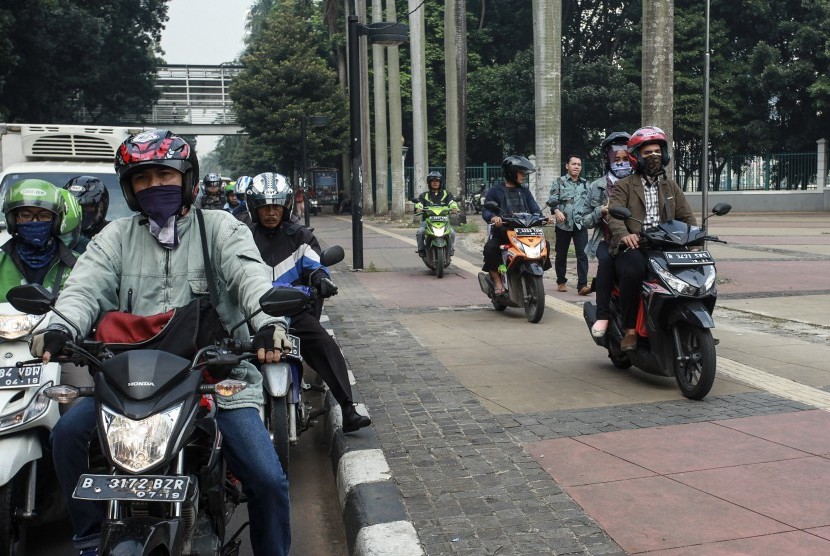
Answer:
(569, 202)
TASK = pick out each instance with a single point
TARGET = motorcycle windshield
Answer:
(140, 374)
(675, 232)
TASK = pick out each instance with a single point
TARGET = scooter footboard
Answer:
(485, 284)
(695, 313)
(141, 535)
(18, 450)
(276, 378)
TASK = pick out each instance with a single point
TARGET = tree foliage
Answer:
(59, 58)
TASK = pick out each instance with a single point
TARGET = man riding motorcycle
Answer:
(436, 195)
(154, 261)
(652, 197)
(211, 198)
(292, 252)
(94, 198)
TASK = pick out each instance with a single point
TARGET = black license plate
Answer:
(157, 488)
(529, 232)
(688, 258)
(20, 377)
(295, 345)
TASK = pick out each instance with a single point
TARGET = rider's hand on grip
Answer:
(48, 343)
(269, 342)
(327, 288)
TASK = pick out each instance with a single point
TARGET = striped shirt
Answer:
(652, 211)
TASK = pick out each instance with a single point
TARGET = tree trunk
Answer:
(547, 62)
(419, 96)
(658, 65)
(395, 123)
(455, 68)
(381, 141)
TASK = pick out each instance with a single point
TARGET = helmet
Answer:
(242, 184)
(158, 147)
(646, 136)
(70, 231)
(230, 188)
(90, 192)
(513, 164)
(211, 180)
(269, 189)
(435, 175)
(33, 193)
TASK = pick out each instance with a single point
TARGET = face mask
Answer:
(653, 165)
(620, 169)
(36, 247)
(162, 204)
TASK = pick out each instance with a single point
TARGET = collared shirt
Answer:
(652, 212)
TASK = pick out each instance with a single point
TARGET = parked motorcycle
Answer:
(287, 414)
(521, 272)
(165, 482)
(675, 318)
(29, 491)
(437, 237)
(474, 203)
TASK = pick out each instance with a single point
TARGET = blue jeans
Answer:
(248, 452)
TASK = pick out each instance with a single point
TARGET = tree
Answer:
(658, 65)
(547, 71)
(286, 76)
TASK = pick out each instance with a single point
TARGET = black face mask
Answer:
(653, 165)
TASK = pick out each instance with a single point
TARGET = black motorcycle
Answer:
(678, 298)
(163, 476)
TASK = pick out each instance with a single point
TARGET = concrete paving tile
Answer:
(549, 396)
(499, 374)
(823, 532)
(802, 430)
(793, 542)
(571, 462)
(691, 447)
(792, 491)
(657, 513)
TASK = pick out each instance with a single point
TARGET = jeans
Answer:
(563, 241)
(604, 281)
(248, 452)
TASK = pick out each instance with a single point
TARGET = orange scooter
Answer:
(524, 255)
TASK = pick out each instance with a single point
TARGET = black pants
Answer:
(631, 269)
(320, 350)
(563, 242)
(604, 281)
(492, 249)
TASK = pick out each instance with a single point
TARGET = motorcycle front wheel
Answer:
(534, 287)
(696, 377)
(11, 542)
(278, 427)
(440, 259)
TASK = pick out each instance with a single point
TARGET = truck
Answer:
(58, 153)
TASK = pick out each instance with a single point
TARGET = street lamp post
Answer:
(313, 121)
(704, 171)
(386, 34)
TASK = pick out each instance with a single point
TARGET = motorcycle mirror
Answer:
(620, 213)
(280, 302)
(32, 299)
(721, 208)
(332, 256)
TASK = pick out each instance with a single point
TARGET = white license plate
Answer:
(529, 232)
(439, 218)
(689, 258)
(20, 377)
(157, 488)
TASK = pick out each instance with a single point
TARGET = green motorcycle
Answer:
(437, 237)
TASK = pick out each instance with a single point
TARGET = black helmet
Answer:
(158, 147)
(211, 180)
(90, 192)
(435, 175)
(513, 164)
(269, 189)
(619, 138)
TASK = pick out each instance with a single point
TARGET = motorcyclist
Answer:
(292, 252)
(241, 210)
(152, 262)
(94, 198)
(512, 198)
(435, 195)
(231, 199)
(652, 197)
(614, 153)
(211, 198)
(34, 211)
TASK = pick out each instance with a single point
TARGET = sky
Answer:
(207, 32)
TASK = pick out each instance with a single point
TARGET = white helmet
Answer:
(269, 189)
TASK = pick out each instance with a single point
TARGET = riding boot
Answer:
(352, 420)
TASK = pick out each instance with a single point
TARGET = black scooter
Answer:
(164, 478)
(678, 297)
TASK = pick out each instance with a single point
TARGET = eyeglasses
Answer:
(24, 216)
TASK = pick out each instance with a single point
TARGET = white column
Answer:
(821, 171)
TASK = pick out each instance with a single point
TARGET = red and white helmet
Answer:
(646, 136)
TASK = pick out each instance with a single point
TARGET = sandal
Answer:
(499, 292)
(599, 328)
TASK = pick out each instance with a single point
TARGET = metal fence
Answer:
(771, 172)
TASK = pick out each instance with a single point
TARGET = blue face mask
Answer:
(35, 247)
(621, 169)
(162, 204)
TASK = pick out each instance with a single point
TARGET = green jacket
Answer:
(570, 197)
(124, 268)
(11, 276)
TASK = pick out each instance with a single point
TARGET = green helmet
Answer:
(33, 193)
(230, 188)
(70, 231)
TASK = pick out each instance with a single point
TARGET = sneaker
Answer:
(629, 342)
(352, 420)
(562, 288)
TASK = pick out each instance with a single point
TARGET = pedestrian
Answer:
(569, 202)
(299, 203)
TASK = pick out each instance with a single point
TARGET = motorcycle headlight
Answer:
(13, 327)
(438, 231)
(36, 408)
(139, 445)
(530, 251)
(676, 284)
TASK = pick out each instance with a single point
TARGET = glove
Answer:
(51, 340)
(327, 288)
(267, 340)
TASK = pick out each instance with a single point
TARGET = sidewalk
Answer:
(505, 437)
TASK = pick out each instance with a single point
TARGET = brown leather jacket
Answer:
(628, 192)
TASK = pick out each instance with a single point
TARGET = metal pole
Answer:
(354, 145)
(704, 172)
(307, 202)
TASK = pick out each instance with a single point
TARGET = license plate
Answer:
(529, 232)
(158, 488)
(689, 258)
(439, 218)
(20, 377)
(295, 345)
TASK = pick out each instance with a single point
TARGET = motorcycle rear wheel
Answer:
(696, 377)
(11, 532)
(439, 262)
(534, 287)
(278, 427)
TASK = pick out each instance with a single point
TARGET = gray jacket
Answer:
(570, 197)
(597, 198)
(125, 268)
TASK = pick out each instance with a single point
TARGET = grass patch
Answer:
(469, 227)
(372, 268)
